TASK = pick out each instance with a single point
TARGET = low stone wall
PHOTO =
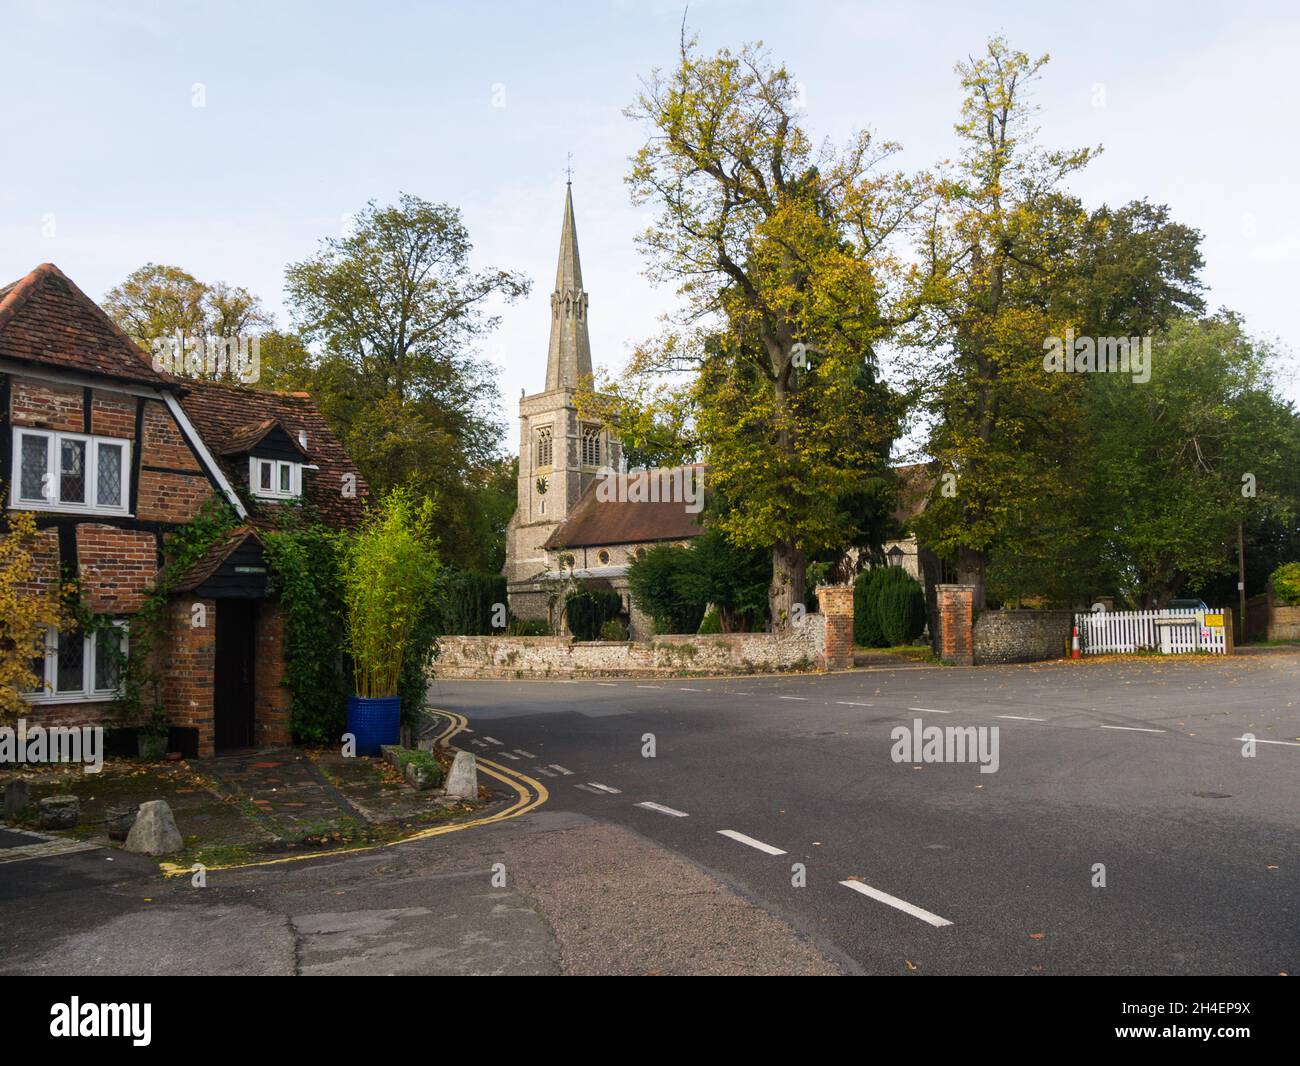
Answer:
(557, 657)
(1283, 623)
(1021, 636)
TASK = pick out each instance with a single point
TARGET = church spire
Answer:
(569, 357)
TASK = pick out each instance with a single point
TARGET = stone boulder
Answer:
(119, 821)
(462, 782)
(59, 812)
(154, 832)
(18, 796)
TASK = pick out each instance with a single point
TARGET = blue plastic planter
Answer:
(374, 721)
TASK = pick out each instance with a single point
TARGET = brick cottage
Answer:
(112, 456)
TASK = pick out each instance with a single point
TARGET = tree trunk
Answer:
(970, 571)
(787, 586)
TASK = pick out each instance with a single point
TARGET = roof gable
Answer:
(46, 320)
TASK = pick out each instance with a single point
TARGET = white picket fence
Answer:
(1175, 632)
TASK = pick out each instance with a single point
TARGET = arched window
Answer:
(591, 445)
(544, 446)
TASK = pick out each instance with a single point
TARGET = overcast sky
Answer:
(314, 108)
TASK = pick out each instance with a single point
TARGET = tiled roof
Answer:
(244, 439)
(210, 562)
(46, 319)
(221, 412)
(596, 521)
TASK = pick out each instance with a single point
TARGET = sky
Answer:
(309, 110)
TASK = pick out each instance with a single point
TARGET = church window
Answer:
(544, 452)
(603, 557)
(590, 445)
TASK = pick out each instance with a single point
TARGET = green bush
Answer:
(900, 607)
(471, 601)
(712, 623)
(588, 609)
(613, 630)
(888, 608)
(424, 760)
(675, 585)
(656, 582)
(1285, 583)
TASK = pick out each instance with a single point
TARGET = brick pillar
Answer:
(189, 668)
(270, 698)
(836, 603)
(956, 609)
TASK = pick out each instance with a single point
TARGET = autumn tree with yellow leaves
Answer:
(26, 612)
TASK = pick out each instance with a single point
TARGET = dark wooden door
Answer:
(233, 684)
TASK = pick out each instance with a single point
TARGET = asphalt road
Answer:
(1132, 765)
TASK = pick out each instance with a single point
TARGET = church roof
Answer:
(569, 357)
(597, 519)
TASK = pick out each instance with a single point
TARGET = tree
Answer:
(1011, 261)
(393, 313)
(159, 302)
(781, 255)
(26, 611)
(1179, 460)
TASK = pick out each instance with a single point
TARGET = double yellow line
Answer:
(529, 794)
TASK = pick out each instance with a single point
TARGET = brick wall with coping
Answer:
(836, 603)
(955, 605)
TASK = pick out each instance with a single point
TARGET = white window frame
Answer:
(255, 464)
(87, 693)
(53, 457)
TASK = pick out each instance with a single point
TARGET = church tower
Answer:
(559, 454)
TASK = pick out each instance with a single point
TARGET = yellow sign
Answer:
(1214, 620)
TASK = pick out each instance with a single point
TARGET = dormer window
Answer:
(275, 479)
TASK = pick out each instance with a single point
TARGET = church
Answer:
(570, 524)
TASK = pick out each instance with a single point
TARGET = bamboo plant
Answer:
(389, 571)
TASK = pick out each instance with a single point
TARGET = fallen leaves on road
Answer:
(1037, 936)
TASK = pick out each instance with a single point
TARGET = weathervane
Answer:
(568, 171)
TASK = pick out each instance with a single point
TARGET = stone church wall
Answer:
(824, 641)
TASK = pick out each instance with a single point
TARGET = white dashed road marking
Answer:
(690, 690)
(751, 842)
(491, 740)
(662, 809)
(649, 686)
(544, 770)
(507, 755)
(803, 698)
(1133, 729)
(605, 788)
(850, 703)
(557, 767)
(900, 904)
(606, 684)
(1019, 718)
(525, 754)
(1286, 743)
(929, 710)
